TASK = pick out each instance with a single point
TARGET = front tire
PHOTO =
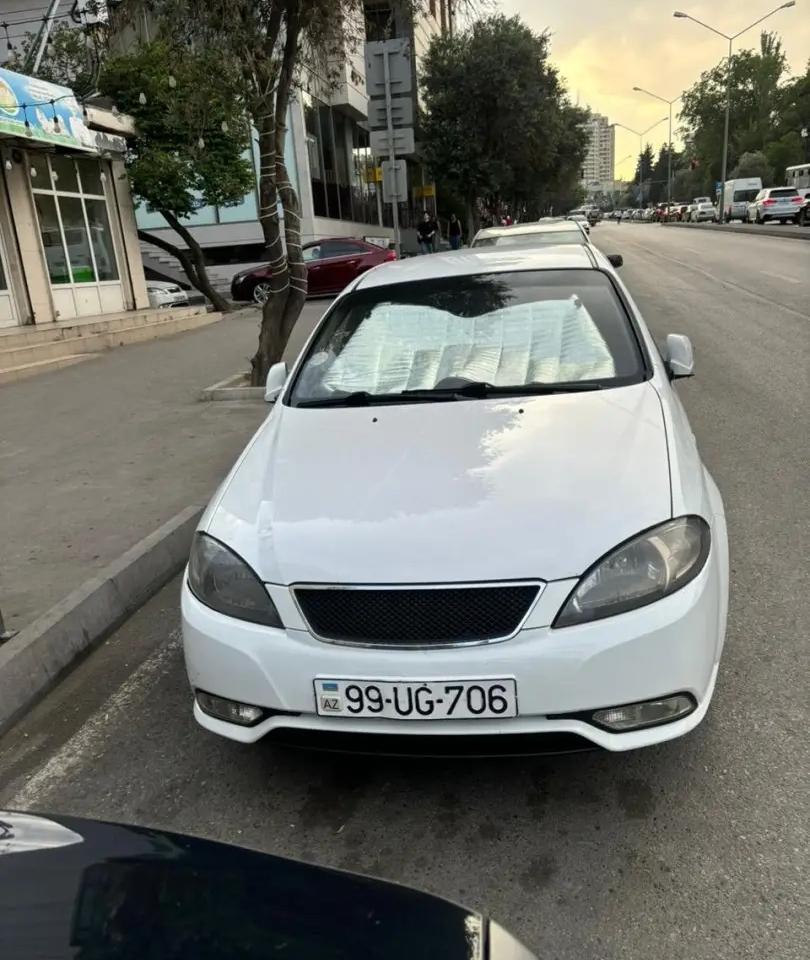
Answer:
(261, 293)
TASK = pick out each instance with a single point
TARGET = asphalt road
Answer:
(698, 849)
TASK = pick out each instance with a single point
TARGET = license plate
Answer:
(490, 699)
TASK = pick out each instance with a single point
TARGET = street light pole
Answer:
(685, 16)
(670, 104)
(641, 153)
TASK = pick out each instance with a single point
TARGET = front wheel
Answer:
(261, 293)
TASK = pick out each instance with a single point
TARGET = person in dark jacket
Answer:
(454, 232)
(427, 232)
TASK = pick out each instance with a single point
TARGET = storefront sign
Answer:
(108, 142)
(35, 110)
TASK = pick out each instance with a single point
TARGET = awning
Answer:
(31, 109)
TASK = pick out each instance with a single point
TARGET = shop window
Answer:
(63, 174)
(73, 221)
(51, 232)
(76, 240)
(98, 222)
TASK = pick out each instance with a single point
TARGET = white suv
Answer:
(775, 203)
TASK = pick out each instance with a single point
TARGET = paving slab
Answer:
(95, 457)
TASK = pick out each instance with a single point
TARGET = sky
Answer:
(604, 48)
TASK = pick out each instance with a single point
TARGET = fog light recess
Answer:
(650, 713)
(231, 711)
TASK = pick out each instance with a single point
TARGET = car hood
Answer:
(447, 492)
(81, 888)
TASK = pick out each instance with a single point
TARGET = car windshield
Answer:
(539, 238)
(785, 192)
(507, 333)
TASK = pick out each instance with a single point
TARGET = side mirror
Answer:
(679, 358)
(616, 260)
(276, 378)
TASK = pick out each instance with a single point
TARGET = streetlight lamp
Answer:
(641, 137)
(670, 104)
(685, 16)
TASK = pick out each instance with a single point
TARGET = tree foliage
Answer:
(754, 164)
(498, 123)
(72, 58)
(276, 47)
(191, 139)
(767, 113)
(180, 97)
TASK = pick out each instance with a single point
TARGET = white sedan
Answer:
(162, 293)
(476, 510)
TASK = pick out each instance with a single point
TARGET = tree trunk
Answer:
(203, 284)
(288, 272)
(470, 219)
(271, 338)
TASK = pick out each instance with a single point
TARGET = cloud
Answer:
(605, 49)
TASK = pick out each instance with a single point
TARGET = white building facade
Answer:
(327, 150)
(598, 169)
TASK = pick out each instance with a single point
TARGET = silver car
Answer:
(775, 203)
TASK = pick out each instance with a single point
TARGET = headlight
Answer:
(224, 582)
(641, 571)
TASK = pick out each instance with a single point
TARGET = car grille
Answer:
(416, 616)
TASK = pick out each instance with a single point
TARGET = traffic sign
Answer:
(400, 67)
(401, 113)
(404, 143)
(395, 181)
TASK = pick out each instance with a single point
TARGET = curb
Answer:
(232, 389)
(747, 230)
(34, 661)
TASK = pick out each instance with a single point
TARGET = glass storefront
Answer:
(341, 167)
(73, 221)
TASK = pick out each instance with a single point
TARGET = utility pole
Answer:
(41, 41)
(392, 154)
(389, 82)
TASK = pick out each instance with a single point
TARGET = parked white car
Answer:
(476, 509)
(703, 211)
(162, 293)
(541, 233)
(775, 203)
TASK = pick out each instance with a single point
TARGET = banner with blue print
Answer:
(35, 110)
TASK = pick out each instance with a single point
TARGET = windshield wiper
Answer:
(362, 398)
(479, 390)
(473, 390)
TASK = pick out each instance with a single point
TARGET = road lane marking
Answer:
(667, 258)
(85, 744)
(780, 276)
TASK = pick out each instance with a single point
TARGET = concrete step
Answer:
(12, 337)
(24, 370)
(97, 337)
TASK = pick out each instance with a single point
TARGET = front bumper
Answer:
(669, 647)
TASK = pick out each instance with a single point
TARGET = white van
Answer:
(739, 193)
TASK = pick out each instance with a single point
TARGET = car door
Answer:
(313, 258)
(342, 261)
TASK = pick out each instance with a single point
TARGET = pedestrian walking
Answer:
(426, 231)
(454, 232)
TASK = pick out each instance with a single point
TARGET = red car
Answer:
(331, 265)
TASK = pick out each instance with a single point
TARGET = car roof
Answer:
(517, 229)
(484, 260)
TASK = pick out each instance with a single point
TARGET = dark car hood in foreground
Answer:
(84, 890)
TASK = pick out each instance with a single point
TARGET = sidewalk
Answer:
(95, 457)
